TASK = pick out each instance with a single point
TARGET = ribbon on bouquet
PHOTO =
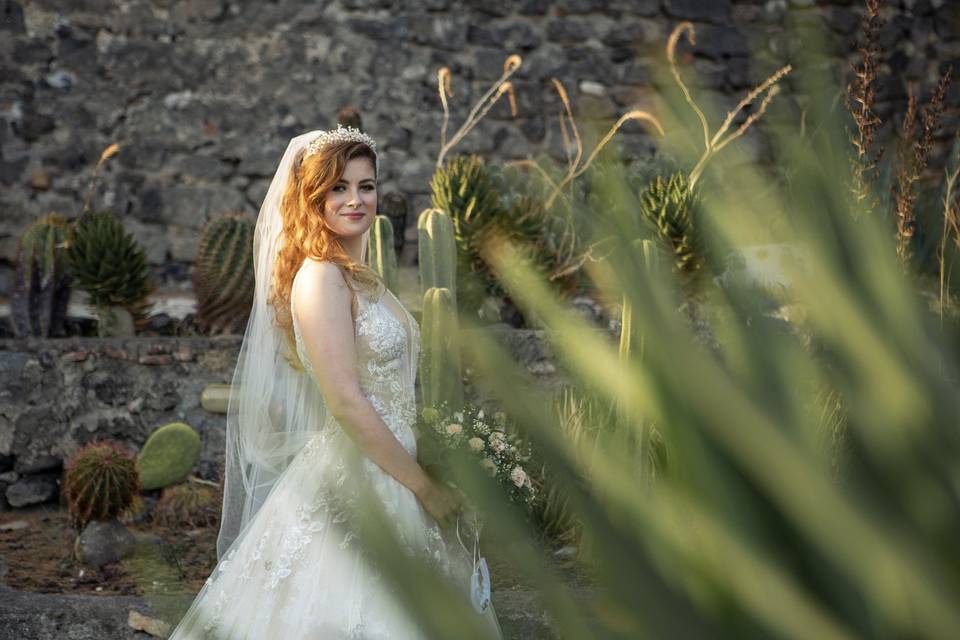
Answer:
(480, 576)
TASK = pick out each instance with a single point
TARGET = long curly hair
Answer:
(306, 235)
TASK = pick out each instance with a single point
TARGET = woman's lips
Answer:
(354, 216)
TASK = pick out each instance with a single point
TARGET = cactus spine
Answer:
(383, 257)
(100, 482)
(41, 289)
(223, 280)
(441, 381)
(437, 252)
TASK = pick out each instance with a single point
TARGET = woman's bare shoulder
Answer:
(319, 280)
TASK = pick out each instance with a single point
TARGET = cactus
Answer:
(466, 190)
(168, 455)
(41, 289)
(193, 503)
(100, 482)
(394, 206)
(223, 279)
(670, 207)
(441, 381)
(106, 262)
(437, 252)
(383, 259)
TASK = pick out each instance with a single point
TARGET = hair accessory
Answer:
(340, 134)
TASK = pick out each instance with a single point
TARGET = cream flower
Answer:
(454, 428)
(430, 415)
(518, 476)
(476, 444)
(497, 445)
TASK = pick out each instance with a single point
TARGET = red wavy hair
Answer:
(306, 235)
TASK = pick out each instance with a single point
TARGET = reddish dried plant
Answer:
(861, 97)
(913, 153)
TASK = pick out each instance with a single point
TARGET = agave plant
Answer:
(107, 263)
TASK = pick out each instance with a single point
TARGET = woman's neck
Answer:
(353, 247)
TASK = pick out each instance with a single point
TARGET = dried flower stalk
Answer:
(712, 144)
(575, 168)
(861, 97)
(105, 155)
(495, 92)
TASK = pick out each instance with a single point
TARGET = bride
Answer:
(322, 419)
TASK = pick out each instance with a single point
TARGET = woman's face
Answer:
(351, 204)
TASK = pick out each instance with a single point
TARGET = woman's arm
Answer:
(321, 303)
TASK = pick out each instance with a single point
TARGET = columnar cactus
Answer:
(383, 258)
(41, 288)
(100, 482)
(106, 262)
(440, 378)
(437, 251)
(223, 280)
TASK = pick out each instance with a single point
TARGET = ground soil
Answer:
(39, 558)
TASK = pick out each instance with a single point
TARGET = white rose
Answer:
(454, 428)
(497, 445)
(518, 476)
(476, 444)
(458, 416)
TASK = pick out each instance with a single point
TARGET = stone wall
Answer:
(56, 395)
(202, 95)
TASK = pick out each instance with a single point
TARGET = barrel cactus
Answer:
(41, 288)
(441, 380)
(670, 207)
(106, 262)
(194, 503)
(223, 279)
(437, 251)
(383, 258)
(168, 455)
(99, 482)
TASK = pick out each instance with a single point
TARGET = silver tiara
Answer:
(341, 134)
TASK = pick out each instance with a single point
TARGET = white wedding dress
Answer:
(297, 571)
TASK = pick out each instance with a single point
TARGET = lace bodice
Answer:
(387, 350)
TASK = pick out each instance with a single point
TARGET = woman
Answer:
(322, 419)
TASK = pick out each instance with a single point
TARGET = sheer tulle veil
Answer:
(273, 409)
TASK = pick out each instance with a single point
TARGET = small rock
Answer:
(31, 490)
(40, 180)
(159, 359)
(9, 477)
(16, 525)
(153, 626)
(103, 542)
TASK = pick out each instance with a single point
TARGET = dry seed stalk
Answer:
(861, 96)
(574, 168)
(768, 88)
(951, 225)
(107, 153)
(910, 166)
(495, 92)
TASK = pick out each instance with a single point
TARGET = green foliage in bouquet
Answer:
(488, 441)
(383, 257)
(106, 262)
(194, 503)
(41, 287)
(100, 482)
(223, 278)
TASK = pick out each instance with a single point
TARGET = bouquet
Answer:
(488, 439)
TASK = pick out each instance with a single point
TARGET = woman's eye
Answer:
(368, 187)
